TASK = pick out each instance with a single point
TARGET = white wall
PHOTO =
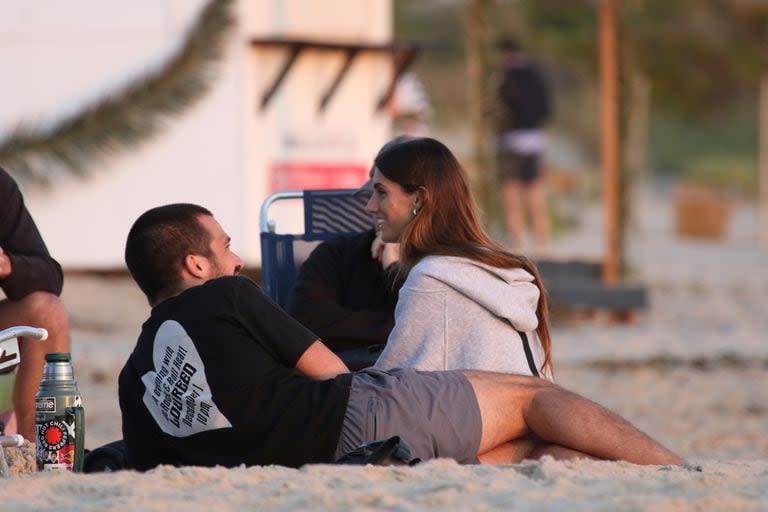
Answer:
(221, 153)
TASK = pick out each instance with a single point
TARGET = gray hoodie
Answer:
(455, 313)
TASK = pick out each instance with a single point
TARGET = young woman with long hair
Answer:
(466, 303)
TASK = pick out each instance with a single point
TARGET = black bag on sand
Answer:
(387, 452)
(107, 458)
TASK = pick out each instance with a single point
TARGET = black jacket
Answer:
(33, 268)
(344, 296)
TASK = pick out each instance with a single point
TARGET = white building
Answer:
(232, 148)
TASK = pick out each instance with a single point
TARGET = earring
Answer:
(415, 211)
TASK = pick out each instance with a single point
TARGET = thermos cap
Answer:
(58, 357)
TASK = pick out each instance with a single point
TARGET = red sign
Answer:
(312, 176)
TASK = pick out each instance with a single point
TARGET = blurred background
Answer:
(689, 73)
(656, 167)
(262, 96)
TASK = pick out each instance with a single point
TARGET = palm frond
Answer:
(126, 118)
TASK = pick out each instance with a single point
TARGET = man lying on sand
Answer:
(220, 375)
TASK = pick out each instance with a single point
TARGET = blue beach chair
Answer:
(327, 214)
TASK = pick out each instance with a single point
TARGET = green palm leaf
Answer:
(126, 118)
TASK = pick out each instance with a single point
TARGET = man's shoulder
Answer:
(218, 290)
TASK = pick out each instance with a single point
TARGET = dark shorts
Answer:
(522, 167)
(436, 413)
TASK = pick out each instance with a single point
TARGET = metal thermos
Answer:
(59, 417)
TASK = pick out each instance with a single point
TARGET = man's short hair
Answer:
(159, 241)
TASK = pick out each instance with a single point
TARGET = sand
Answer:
(692, 371)
(436, 485)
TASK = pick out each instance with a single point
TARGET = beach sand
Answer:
(692, 371)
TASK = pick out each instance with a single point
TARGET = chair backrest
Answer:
(10, 357)
(327, 214)
(9, 346)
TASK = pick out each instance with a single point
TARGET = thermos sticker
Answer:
(56, 448)
(46, 404)
(53, 435)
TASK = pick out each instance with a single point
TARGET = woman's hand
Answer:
(384, 253)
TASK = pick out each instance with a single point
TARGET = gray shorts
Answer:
(436, 413)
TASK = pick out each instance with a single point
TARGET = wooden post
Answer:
(477, 22)
(609, 139)
(762, 198)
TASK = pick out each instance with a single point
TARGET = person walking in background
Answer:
(524, 106)
(31, 281)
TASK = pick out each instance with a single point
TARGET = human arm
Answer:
(287, 339)
(386, 254)
(318, 362)
(25, 264)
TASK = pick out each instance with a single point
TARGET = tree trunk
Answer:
(479, 100)
(762, 199)
(638, 108)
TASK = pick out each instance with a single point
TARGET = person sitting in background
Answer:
(31, 281)
(220, 375)
(467, 303)
(347, 289)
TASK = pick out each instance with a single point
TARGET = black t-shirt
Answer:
(343, 295)
(525, 98)
(211, 381)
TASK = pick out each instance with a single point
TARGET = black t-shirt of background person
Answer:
(525, 98)
(211, 381)
(343, 295)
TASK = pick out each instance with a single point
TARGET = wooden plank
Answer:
(762, 200)
(609, 140)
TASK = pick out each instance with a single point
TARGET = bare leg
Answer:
(38, 309)
(529, 447)
(513, 406)
(558, 453)
(511, 452)
(536, 199)
(513, 212)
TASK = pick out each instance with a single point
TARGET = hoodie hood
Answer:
(506, 292)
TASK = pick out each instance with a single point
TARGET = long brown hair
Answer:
(447, 222)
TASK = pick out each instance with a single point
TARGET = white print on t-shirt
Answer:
(176, 393)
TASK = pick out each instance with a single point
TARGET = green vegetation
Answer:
(126, 118)
(703, 60)
(717, 152)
